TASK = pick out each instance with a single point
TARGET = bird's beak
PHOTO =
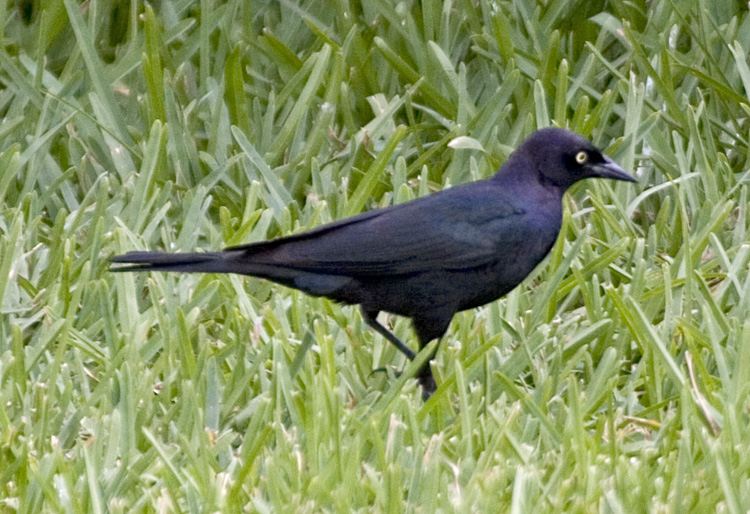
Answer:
(610, 169)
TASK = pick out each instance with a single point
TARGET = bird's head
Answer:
(563, 157)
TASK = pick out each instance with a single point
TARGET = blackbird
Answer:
(426, 259)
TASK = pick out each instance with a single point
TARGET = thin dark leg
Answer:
(426, 380)
(427, 329)
(371, 319)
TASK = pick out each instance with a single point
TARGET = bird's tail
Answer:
(253, 260)
(208, 262)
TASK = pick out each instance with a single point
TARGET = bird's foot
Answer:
(424, 378)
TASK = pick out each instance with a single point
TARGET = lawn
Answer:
(615, 379)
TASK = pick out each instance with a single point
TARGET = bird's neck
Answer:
(520, 173)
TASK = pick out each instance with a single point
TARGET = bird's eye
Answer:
(582, 157)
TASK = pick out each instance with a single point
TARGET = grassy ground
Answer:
(615, 379)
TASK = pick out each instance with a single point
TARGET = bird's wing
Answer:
(461, 228)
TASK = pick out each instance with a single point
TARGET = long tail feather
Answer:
(208, 262)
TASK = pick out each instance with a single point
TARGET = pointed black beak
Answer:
(610, 169)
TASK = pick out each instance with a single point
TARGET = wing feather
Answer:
(435, 232)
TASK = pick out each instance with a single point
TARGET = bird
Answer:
(426, 259)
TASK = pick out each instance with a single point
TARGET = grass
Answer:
(615, 379)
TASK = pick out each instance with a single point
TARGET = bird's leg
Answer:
(371, 319)
(429, 328)
(426, 380)
(424, 375)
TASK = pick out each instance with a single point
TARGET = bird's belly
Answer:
(488, 285)
(441, 290)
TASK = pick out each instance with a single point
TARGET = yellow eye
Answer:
(582, 157)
